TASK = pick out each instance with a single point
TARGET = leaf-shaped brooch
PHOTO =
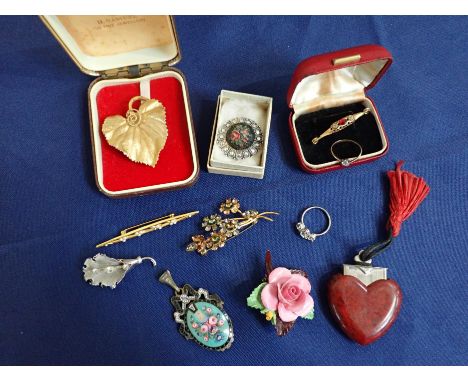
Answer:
(142, 134)
(105, 271)
(283, 296)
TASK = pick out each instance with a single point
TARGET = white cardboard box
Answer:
(240, 105)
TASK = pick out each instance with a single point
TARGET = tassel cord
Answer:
(375, 249)
(407, 191)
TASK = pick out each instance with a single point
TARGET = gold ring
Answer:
(346, 161)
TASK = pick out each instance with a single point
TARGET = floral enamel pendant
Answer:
(283, 296)
(200, 316)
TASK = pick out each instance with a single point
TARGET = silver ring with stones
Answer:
(305, 232)
(240, 138)
(346, 161)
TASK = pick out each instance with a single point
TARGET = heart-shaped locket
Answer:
(363, 301)
(365, 313)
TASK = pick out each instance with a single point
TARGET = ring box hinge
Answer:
(133, 71)
(346, 60)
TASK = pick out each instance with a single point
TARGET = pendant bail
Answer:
(166, 278)
(358, 260)
(366, 273)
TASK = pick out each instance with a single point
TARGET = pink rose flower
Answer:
(204, 328)
(212, 320)
(288, 294)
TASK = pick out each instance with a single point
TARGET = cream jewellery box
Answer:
(132, 56)
(239, 141)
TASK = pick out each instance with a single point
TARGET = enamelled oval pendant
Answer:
(364, 303)
(200, 316)
(240, 138)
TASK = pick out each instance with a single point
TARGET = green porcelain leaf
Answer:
(254, 300)
(310, 315)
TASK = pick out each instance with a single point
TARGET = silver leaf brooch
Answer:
(105, 271)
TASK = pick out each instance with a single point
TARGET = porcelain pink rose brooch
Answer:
(283, 297)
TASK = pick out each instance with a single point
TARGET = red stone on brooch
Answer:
(342, 121)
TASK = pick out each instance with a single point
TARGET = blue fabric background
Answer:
(52, 215)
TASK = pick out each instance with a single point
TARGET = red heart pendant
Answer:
(365, 313)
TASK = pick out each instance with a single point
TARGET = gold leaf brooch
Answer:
(142, 134)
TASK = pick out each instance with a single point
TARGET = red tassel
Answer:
(407, 191)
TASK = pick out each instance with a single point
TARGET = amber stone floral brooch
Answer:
(222, 229)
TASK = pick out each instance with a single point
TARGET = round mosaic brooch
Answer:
(240, 138)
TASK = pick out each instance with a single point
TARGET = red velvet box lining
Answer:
(176, 159)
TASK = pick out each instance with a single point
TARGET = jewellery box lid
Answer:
(112, 46)
(338, 73)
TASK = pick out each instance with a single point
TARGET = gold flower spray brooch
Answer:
(221, 230)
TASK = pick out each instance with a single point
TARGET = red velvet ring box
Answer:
(328, 87)
(132, 56)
